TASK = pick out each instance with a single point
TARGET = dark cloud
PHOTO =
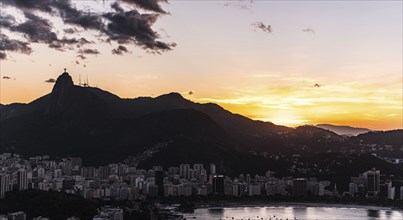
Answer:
(117, 7)
(120, 50)
(39, 30)
(131, 27)
(263, 27)
(191, 92)
(81, 56)
(74, 41)
(70, 30)
(150, 5)
(240, 4)
(85, 66)
(36, 29)
(68, 43)
(77, 62)
(120, 26)
(3, 56)
(51, 80)
(6, 21)
(83, 41)
(63, 8)
(7, 77)
(89, 51)
(71, 15)
(308, 30)
(316, 85)
(83, 52)
(7, 44)
(30, 5)
(62, 44)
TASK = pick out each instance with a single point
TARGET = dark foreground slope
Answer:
(392, 137)
(48, 204)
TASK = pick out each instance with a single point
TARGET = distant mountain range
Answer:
(343, 130)
(167, 130)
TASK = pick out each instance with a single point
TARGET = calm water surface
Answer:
(298, 212)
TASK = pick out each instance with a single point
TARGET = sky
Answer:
(288, 62)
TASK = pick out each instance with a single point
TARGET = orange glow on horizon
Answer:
(284, 107)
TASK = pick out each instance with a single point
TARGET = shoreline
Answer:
(294, 204)
(292, 210)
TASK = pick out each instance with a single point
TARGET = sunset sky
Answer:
(290, 63)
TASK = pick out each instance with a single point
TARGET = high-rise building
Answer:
(197, 168)
(319, 189)
(88, 172)
(22, 180)
(248, 179)
(203, 176)
(373, 178)
(241, 177)
(157, 168)
(218, 184)
(41, 172)
(57, 173)
(76, 162)
(159, 182)
(352, 189)
(299, 187)
(122, 169)
(192, 174)
(33, 161)
(184, 171)
(173, 170)
(212, 169)
(4, 184)
(254, 190)
(103, 172)
(389, 190)
(16, 216)
(67, 167)
(384, 188)
(391, 193)
(360, 185)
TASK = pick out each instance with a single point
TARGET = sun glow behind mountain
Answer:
(295, 101)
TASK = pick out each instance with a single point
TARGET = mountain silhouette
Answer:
(343, 130)
(392, 137)
(102, 128)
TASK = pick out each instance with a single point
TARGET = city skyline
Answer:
(291, 63)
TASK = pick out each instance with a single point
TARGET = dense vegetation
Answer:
(49, 204)
(393, 137)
